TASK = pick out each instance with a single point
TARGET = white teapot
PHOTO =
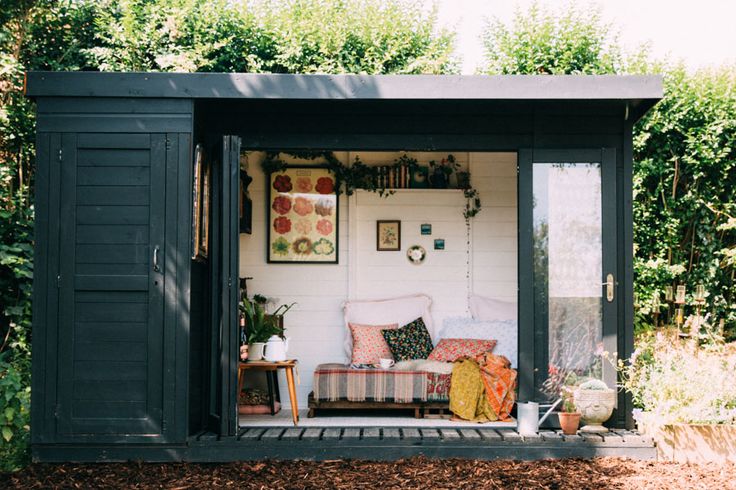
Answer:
(276, 348)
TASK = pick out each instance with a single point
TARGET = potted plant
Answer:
(259, 325)
(595, 401)
(570, 416)
(441, 172)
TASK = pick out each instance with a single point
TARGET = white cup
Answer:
(386, 363)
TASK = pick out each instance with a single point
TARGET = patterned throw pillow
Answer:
(505, 333)
(450, 350)
(411, 341)
(369, 345)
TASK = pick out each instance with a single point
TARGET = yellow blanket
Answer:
(483, 389)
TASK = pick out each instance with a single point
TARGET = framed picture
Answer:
(200, 205)
(439, 243)
(388, 235)
(302, 216)
(425, 228)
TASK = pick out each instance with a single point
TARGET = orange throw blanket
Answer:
(499, 381)
(483, 389)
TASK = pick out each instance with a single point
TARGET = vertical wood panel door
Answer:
(111, 286)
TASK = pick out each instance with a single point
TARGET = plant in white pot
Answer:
(261, 326)
(595, 401)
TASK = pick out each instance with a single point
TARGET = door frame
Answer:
(532, 338)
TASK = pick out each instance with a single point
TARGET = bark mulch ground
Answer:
(414, 473)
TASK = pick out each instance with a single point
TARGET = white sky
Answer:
(702, 32)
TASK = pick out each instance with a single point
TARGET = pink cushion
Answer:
(369, 346)
(450, 350)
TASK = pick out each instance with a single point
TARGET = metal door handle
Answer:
(610, 287)
(156, 268)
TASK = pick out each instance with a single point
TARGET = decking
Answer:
(376, 443)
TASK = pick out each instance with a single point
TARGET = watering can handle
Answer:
(552, 407)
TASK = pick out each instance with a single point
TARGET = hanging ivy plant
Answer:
(348, 178)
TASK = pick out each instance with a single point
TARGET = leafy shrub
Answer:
(673, 380)
(15, 401)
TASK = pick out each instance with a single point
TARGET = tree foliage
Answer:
(684, 151)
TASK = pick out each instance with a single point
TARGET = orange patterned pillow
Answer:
(450, 350)
(368, 344)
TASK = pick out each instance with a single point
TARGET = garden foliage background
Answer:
(685, 148)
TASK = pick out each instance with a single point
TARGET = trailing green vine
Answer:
(348, 178)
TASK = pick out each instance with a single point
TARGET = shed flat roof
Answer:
(346, 87)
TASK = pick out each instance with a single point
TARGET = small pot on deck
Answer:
(569, 422)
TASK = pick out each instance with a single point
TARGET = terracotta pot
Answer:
(569, 422)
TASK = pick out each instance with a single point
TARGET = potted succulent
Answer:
(595, 401)
(570, 416)
(259, 325)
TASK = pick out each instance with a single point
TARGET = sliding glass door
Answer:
(568, 228)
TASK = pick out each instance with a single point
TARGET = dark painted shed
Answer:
(134, 343)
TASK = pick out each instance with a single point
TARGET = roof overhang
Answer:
(640, 91)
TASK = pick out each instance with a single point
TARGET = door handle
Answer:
(156, 268)
(610, 287)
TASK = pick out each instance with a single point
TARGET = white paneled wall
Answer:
(315, 324)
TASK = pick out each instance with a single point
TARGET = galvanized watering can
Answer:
(528, 420)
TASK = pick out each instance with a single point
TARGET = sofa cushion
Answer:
(409, 342)
(489, 309)
(402, 311)
(369, 346)
(504, 332)
(450, 350)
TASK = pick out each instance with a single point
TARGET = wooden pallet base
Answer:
(421, 409)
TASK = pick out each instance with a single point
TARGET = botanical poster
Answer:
(302, 216)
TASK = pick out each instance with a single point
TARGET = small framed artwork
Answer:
(426, 228)
(388, 235)
(302, 216)
(439, 244)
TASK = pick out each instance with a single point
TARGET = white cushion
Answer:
(492, 309)
(505, 332)
(402, 310)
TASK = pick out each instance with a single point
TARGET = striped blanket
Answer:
(334, 382)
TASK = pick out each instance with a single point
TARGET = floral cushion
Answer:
(411, 341)
(369, 345)
(505, 333)
(450, 350)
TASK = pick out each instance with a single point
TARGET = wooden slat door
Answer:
(111, 286)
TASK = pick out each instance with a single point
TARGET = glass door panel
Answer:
(567, 270)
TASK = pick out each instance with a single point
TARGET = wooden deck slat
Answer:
(371, 433)
(450, 434)
(312, 434)
(550, 435)
(391, 433)
(470, 434)
(272, 433)
(351, 433)
(252, 434)
(291, 434)
(572, 438)
(593, 438)
(510, 435)
(331, 434)
(612, 437)
(489, 434)
(430, 433)
(411, 434)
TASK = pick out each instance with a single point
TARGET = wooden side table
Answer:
(271, 368)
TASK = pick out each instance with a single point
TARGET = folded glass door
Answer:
(569, 295)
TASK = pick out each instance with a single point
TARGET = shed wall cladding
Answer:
(111, 311)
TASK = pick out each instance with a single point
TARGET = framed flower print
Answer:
(302, 216)
(388, 235)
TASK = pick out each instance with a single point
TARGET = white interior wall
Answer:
(315, 325)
